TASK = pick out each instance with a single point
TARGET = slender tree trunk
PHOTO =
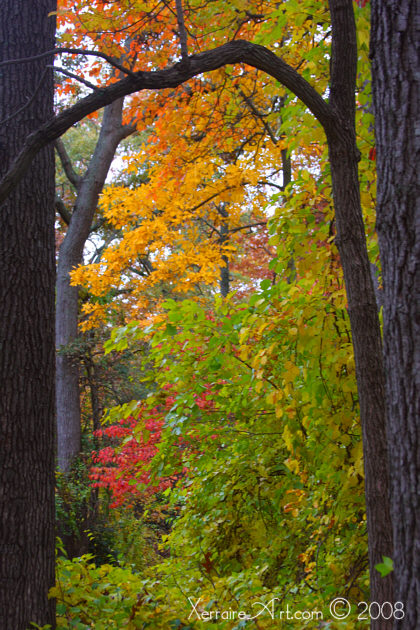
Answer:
(92, 377)
(27, 271)
(286, 168)
(224, 277)
(351, 243)
(396, 91)
(70, 256)
(224, 281)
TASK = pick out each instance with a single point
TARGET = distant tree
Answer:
(88, 187)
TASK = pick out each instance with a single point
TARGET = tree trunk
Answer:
(351, 243)
(224, 280)
(27, 271)
(395, 54)
(70, 256)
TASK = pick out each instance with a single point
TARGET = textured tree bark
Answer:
(27, 271)
(70, 255)
(396, 89)
(351, 243)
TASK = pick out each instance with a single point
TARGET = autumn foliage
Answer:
(248, 423)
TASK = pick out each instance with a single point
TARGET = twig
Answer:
(99, 223)
(71, 75)
(246, 227)
(265, 378)
(71, 51)
(258, 115)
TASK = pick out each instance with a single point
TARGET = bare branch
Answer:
(181, 29)
(71, 51)
(62, 210)
(246, 227)
(88, 84)
(73, 177)
(212, 227)
(264, 182)
(265, 378)
(258, 115)
(127, 130)
(98, 224)
(147, 268)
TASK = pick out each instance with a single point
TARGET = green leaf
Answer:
(265, 284)
(171, 329)
(385, 567)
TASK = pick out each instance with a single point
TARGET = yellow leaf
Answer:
(279, 411)
(287, 437)
(258, 387)
(292, 465)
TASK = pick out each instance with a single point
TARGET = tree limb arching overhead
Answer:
(239, 51)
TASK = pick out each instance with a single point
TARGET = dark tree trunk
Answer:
(27, 272)
(396, 91)
(93, 381)
(224, 277)
(224, 281)
(70, 256)
(286, 168)
(351, 243)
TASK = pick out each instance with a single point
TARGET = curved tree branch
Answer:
(239, 51)
(73, 177)
(62, 210)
